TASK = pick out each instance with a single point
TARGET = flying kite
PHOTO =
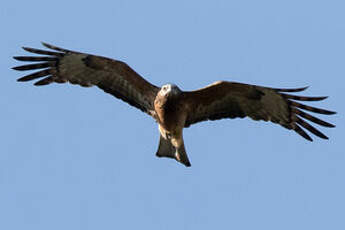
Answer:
(172, 108)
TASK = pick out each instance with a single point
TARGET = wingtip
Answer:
(292, 90)
(309, 139)
(38, 84)
(16, 58)
(52, 47)
(45, 44)
(303, 88)
(322, 98)
(28, 49)
(16, 68)
(188, 164)
(331, 112)
(22, 79)
(44, 81)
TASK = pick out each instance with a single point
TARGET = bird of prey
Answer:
(172, 108)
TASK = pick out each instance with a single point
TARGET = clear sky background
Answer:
(76, 158)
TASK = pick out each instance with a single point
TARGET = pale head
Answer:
(170, 90)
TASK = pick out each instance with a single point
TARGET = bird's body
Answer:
(171, 114)
(172, 108)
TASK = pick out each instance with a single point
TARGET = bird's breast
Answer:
(170, 113)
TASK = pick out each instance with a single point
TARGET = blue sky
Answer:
(75, 158)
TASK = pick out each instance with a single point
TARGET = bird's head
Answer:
(170, 90)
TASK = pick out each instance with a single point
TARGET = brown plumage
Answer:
(172, 108)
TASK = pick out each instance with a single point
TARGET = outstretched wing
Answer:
(114, 77)
(231, 100)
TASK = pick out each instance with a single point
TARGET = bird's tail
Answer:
(166, 149)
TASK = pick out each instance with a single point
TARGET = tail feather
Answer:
(166, 149)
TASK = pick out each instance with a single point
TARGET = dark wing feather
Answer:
(231, 100)
(114, 77)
